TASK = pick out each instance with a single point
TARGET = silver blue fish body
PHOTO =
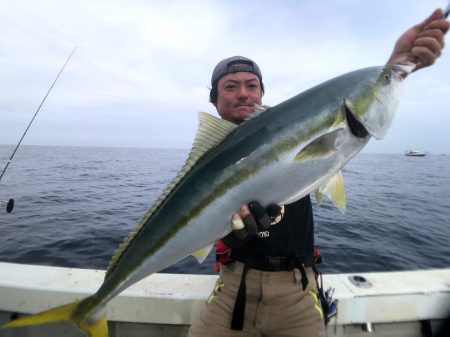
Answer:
(278, 156)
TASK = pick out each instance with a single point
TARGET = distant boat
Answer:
(415, 153)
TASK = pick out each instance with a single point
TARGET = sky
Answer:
(141, 71)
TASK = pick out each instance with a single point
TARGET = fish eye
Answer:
(387, 78)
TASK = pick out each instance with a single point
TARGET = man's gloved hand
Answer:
(250, 219)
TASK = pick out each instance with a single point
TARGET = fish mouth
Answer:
(356, 127)
(403, 70)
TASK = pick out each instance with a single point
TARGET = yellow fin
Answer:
(211, 131)
(60, 314)
(335, 190)
(319, 196)
(96, 329)
(202, 253)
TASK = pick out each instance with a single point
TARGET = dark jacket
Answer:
(292, 237)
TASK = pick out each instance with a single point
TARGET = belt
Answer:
(275, 263)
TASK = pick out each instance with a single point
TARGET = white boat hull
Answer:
(414, 153)
(166, 304)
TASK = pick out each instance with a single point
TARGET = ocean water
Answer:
(74, 206)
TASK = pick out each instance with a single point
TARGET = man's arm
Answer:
(423, 43)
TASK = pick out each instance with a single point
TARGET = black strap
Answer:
(304, 280)
(237, 322)
(426, 328)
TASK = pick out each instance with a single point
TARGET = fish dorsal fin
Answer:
(335, 190)
(211, 131)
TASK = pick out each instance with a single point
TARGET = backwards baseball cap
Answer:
(233, 65)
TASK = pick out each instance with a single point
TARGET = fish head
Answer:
(371, 105)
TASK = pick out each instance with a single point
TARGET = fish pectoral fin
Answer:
(202, 253)
(335, 190)
(322, 147)
(62, 313)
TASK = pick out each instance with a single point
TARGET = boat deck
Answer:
(166, 304)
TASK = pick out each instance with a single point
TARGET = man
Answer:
(266, 282)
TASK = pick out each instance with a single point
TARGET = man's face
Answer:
(237, 94)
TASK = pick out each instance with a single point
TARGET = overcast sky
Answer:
(142, 68)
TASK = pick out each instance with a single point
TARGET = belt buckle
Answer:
(273, 263)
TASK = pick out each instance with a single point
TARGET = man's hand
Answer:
(423, 43)
(250, 220)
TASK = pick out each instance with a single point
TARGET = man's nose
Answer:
(243, 93)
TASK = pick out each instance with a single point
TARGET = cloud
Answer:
(142, 68)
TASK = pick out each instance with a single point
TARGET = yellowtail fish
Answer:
(279, 155)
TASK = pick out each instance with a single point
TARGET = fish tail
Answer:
(64, 313)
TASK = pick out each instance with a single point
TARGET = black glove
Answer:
(248, 225)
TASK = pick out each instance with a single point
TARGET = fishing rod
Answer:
(10, 202)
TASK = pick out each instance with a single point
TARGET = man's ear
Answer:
(215, 105)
